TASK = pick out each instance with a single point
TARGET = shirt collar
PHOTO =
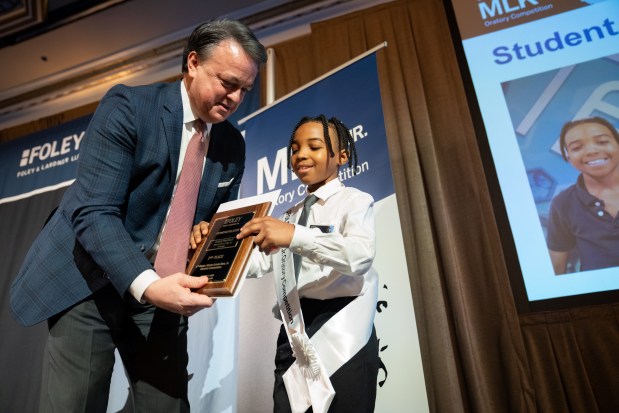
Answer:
(582, 192)
(330, 188)
(593, 203)
(188, 116)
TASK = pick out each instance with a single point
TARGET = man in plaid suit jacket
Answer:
(90, 271)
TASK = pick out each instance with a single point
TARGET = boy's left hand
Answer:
(199, 231)
(271, 233)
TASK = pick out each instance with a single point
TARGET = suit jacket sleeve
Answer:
(98, 210)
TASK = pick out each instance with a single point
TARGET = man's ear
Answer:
(193, 60)
(342, 157)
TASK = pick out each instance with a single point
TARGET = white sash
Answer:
(337, 341)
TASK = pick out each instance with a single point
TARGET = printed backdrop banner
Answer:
(352, 94)
(43, 161)
(345, 94)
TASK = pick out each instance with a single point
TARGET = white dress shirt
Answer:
(338, 244)
(146, 278)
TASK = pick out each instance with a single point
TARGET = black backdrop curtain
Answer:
(20, 348)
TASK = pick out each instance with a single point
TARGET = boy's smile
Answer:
(311, 160)
(592, 149)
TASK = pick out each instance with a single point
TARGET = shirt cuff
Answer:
(141, 283)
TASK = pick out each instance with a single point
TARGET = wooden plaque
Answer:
(222, 257)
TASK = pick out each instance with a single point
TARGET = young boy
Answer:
(327, 350)
(584, 216)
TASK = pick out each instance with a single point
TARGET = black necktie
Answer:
(307, 204)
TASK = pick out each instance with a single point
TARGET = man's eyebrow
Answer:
(235, 81)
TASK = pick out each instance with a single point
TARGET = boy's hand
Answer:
(270, 233)
(199, 231)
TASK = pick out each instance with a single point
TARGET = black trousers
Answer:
(354, 382)
(79, 357)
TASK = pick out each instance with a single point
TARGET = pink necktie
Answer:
(173, 247)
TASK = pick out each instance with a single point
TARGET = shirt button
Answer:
(597, 203)
(600, 213)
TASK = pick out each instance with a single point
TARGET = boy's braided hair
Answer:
(345, 139)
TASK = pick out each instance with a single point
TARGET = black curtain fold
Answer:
(20, 347)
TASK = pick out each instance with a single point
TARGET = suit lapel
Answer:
(172, 120)
(210, 177)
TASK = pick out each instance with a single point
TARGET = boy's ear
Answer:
(342, 157)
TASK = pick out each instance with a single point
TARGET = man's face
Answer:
(218, 84)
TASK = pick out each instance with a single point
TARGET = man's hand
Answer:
(199, 231)
(271, 233)
(173, 293)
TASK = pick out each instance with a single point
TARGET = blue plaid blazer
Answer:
(111, 215)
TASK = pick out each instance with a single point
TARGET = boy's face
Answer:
(592, 149)
(310, 158)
